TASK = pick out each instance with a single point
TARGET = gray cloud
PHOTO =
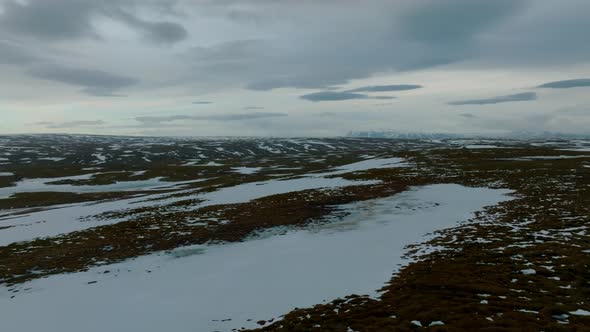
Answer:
(58, 19)
(93, 82)
(540, 36)
(384, 88)
(72, 124)
(525, 96)
(14, 54)
(337, 96)
(405, 36)
(40, 123)
(553, 121)
(516, 38)
(73, 19)
(441, 22)
(326, 114)
(158, 32)
(332, 96)
(201, 102)
(152, 120)
(396, 42)
(567, 84)
(467, 115)
(253, 108)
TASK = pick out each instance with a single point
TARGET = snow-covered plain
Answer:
(199, 288)
(66, 219)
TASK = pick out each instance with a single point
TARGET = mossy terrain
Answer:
(522, 265)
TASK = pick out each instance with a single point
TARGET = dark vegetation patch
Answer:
(44, 199)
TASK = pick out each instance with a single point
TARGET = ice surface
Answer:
(580, 312)
(44, 185)
(586, 149)
(364, 165)
(256, 279)
(252, 190)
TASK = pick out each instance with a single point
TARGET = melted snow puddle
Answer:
(199, 288)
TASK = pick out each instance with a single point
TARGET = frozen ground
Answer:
(209, 188)
(208, 288)
(45, 185)
(65, 219)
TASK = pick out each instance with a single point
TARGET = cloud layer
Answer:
(384, 88)
(567, 84)
(339, 96)
(333, 96)
(74, 19)
(525, 96)
(93, 82)
(159, 57)
(152, 120)
(72, 124)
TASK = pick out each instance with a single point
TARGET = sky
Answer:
(293, 67)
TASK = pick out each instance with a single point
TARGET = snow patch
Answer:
(199, 288)
(580, 312)
(246, 170)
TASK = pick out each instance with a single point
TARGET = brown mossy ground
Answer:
(6, 181)
(45, 199)
(478, 281)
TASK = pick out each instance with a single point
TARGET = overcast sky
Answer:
(293, 67)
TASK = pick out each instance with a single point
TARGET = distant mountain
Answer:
(422, 135)
(401, 135)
